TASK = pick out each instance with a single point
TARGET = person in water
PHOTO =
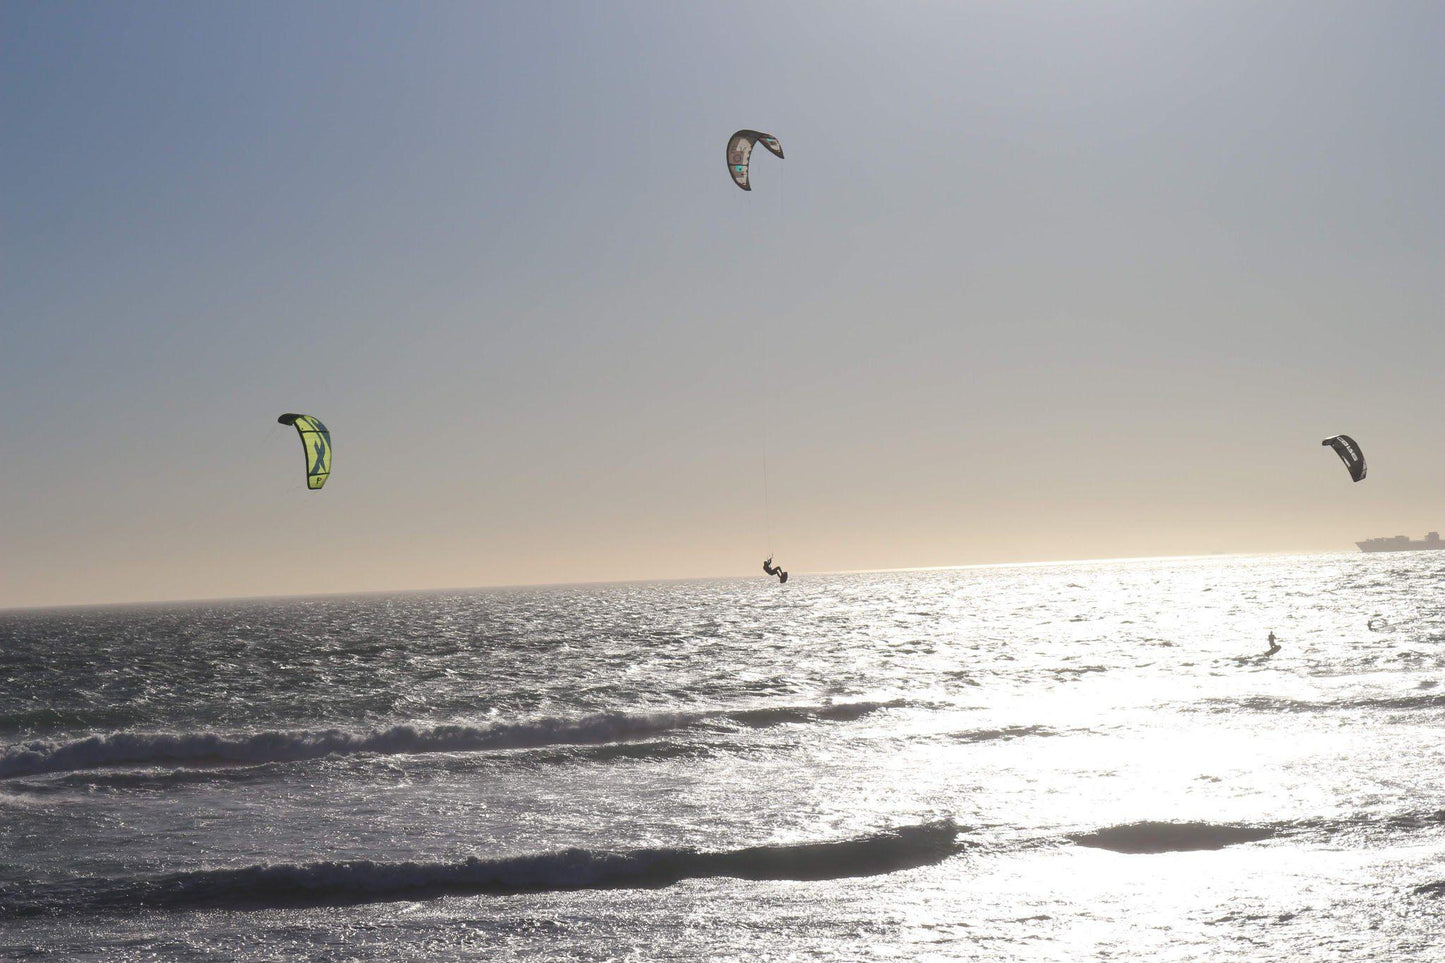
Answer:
(1273, 645)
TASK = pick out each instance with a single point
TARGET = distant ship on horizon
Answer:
(1401, 544)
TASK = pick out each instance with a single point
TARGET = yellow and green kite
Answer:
(316, 442)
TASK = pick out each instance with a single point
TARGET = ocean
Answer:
(1036, 762)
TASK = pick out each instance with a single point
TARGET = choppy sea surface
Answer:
(1050, 762)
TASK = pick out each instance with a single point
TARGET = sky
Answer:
(1035, 281)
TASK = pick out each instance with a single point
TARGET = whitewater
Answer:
(1088, 760)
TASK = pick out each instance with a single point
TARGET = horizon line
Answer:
(201, 600)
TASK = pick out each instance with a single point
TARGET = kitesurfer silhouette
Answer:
(769, 568)
(1273, 645)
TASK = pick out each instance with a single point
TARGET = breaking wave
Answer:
(227, 749)
(1159, 837)
(364, 881)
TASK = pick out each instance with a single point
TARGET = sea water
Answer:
(1040, 762)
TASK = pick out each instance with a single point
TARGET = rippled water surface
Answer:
(1031, 762)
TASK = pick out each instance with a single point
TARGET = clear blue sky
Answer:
(1037, 281)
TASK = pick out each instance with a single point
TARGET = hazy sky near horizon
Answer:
(1036, 281)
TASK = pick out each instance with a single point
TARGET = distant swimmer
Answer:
(1273, 645)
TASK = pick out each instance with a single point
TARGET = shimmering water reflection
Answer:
(1031, 762)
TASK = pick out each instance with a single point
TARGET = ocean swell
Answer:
(1160, 837)
(364, 881)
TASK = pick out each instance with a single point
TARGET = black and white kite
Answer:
(1350, 454)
